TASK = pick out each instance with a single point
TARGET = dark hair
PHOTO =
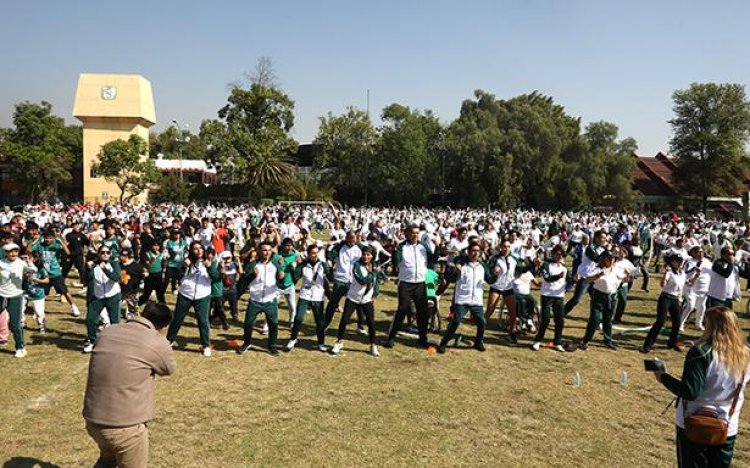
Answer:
(157, 313)
(312, 246)
(193, 258)
(558, 248)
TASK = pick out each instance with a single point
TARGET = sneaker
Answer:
(536, 346)
(264, 330)
(273, 352)
(88, 347)
(676, 347)
(374, 351)
(173, 344)
(74, 311)
(558, 347)
(322, 348)
(441, 348)
(225, 326)
(290, 346)
(42, 329)
(611, 346)
(206, 351)
(412, 329)
(479, 346)
(59, 298)
(78, 285)
(583, 346)
(21, 353)
(362, 331)
(337, 347)
(243, 349)
(388, 344)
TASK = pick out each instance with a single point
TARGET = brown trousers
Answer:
(123, 447)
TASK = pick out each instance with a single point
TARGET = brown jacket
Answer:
(122, 374)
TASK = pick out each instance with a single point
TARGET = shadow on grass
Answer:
(28, 462)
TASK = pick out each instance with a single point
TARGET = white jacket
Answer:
(263, 287)
(470, 285)
(11, 276)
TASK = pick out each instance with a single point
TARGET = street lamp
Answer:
(181, 138)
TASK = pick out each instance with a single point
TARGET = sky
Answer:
(618, 61)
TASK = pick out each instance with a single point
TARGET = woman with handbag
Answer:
(710, 393)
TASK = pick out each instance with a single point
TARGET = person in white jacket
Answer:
(195, 291)
(12, 271)
(698, 269)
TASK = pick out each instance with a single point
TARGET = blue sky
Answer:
(603, 60)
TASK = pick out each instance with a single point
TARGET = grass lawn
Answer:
(509, 406)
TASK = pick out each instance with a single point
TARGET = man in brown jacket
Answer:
(119, 399)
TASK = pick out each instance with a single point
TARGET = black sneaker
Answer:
(388, 344)
(645, 349)
(423, 344)
(611, 346)
(513, 338)
(243, 349)
(273, 352)
(583, 346)
(479, 346)
(441, 349)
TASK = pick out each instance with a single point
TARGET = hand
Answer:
(658, 375)
(187, 262)
(207, 263)
(299, 259)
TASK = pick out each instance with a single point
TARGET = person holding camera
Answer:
(710, 392)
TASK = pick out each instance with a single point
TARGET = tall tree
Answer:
(711, 128)
(125, 163)
(347, 142)
(40, 149)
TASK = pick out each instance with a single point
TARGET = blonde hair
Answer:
(724, 334)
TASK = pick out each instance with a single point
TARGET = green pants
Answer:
(622, 299)
(525, 305)
(459, 311)
(271, 310)
(690, 455)
(182, 307)
(554, 305)
(713, 302)
(15, 313)
(95, 307)
(318, 314)
(602, 310)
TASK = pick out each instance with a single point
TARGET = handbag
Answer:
(705, 426)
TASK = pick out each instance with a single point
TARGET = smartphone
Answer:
(654, 365)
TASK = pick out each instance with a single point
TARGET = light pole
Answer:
(181, 139)
(367, 156)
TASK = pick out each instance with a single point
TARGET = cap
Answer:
(11, 246)
(226, 254)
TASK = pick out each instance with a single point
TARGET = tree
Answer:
(125, 164)
(711, 127)
(40, 149)
(255, 124)
(171, 189)
(174, 143)
(346, 143)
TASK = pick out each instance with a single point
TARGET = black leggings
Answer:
(231, 296)
(367, 309)
(667, 305)
(78, 262)
(153, 283)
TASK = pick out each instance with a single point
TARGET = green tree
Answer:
(711, 128)
(174, 143)
(125, 163)
(40, 149)
(171, 189)
(346, 143)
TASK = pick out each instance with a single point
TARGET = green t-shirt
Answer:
(35, 291)
(176, 251)
(50, 256)
(155, 259)
(289, 259)
(431, 280)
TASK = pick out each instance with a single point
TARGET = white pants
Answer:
(38, 307)
(291, 300)
(697, 302)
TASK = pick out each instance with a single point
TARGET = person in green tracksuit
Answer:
(605, 281)
(554, 274)
(264, 275)
(314, 274)
(287, 258)
(195, 292)
(103, 291)
(715, 374)
(342, 257)
(12, 272)
(175, 248)
(217, 289)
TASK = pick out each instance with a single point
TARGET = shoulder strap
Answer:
(737, 394)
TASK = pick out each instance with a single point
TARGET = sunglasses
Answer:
(105, 252)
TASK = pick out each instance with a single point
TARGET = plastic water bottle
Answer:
(624, 378)
(577, 379)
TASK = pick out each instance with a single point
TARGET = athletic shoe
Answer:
(322, 348)
(273, 352)
(78, 285)
(559, 348)
(388, 344)
(20, 353)
(337, 347)
(225, 326)
(74, 311)
(362, 331)
(479, 346)
(243, 349)
(374, 351)
(611, 346)
(676, 347)
(88, 347)
(583, 346)
(206, 351)
(290, 346)
(42, 329)
(412, 329)
(173, 344)
(264, 330)
(536, 346)
(59, 298)
(441, 348)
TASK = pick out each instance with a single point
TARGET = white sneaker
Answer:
(374, 351)
(88, 347)
(264, 330)
(362, 331)
(322, 348)
(21, 353)
(536, 346)
(337, 347)
(290, 346)
(74, 311)
(59, 298)
(559, 348)
(206, 351)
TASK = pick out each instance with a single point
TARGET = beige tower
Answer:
(111, 107)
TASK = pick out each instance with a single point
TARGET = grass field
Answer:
(509, 406)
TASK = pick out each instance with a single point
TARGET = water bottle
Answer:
(577, 379)
(624, 378)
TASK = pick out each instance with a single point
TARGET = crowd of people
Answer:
(311, 257)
